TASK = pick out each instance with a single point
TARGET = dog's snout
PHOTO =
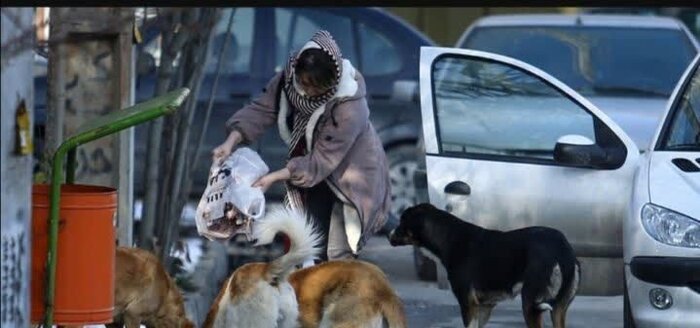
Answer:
(392, 237)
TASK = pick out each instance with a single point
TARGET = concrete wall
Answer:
(17, 62)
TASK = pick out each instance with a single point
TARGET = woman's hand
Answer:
(221, 152)
(266, 181)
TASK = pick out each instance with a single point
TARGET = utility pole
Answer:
(91, 74)
(16, 164)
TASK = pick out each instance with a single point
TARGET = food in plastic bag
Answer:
(229, 203)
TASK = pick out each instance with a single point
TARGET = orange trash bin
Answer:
(86, 254)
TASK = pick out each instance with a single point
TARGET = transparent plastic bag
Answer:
(229, 203)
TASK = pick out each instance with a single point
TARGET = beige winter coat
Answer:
(344, 149)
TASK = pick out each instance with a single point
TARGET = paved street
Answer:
(429, 307)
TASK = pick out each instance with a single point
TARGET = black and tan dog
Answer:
(486, 266)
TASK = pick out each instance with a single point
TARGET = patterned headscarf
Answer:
(304, 105)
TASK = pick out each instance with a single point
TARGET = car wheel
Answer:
(426, 269)
(402, 166)
(628, 320)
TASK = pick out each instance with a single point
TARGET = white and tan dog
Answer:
(346, 293)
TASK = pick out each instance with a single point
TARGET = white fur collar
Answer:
(346, 88)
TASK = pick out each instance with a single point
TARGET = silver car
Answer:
(662, 229)
(496, 148)
(627, 65)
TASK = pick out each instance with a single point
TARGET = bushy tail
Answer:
(303, 238)
(393, 313)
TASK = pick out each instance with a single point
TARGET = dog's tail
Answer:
(303, 239)
(393, 313)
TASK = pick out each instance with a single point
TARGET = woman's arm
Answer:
(252, 120)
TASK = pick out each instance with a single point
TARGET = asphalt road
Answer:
(429, 307)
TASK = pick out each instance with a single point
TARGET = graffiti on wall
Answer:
(13, 280)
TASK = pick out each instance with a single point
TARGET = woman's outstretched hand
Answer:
(221, 152)
(267, 180)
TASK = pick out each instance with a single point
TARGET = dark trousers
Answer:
(327, 212)
(320, 199)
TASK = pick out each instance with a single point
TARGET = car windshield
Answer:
(595, 61)
(683, 130)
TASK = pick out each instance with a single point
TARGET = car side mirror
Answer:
(405, 90)
(577, 150)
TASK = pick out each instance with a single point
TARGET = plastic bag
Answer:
(229, 203)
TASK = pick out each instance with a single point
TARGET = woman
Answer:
(337, 170)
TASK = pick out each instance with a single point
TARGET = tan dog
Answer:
(335, 294)
(145, 293)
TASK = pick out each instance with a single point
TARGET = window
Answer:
(379, 56)
(684, 130)
(594, 60)
(294, 27)
(489, 108)
(240, 46)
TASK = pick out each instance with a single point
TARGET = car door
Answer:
(495, 155)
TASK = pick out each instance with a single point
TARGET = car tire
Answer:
(426, 269)
(402, 165)
(628, 320)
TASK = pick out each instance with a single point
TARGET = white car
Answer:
(509, 146)
(662, 231)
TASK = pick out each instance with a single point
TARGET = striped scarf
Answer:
(304, 106)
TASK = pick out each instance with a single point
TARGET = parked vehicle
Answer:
(382, 46)
(661, 235)
(622, 64)
(688, 15)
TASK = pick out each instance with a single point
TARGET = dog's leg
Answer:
(131, 321)
(562, 305)
(533, 315)
(559, 316)
(114, 324)
(484, 314)
(468, 306)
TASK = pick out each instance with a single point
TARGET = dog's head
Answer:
(410, 225)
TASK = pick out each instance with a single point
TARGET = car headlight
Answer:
(670, 227)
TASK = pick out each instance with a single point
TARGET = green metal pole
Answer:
(55, 198)
(98, 128)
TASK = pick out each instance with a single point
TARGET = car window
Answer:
(294, 27)
(240, 45)
(489, 108)
(596, 61)
(684, 129)
(379, 55)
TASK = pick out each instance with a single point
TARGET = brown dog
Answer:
(145, 293)
(339, 294)
(346, 293)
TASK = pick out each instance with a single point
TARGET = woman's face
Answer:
(308, 86)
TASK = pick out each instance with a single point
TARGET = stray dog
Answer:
(337, 294)
(485, 266)
(145, 293)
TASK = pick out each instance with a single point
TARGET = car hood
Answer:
(672, 187)
(638, 117)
